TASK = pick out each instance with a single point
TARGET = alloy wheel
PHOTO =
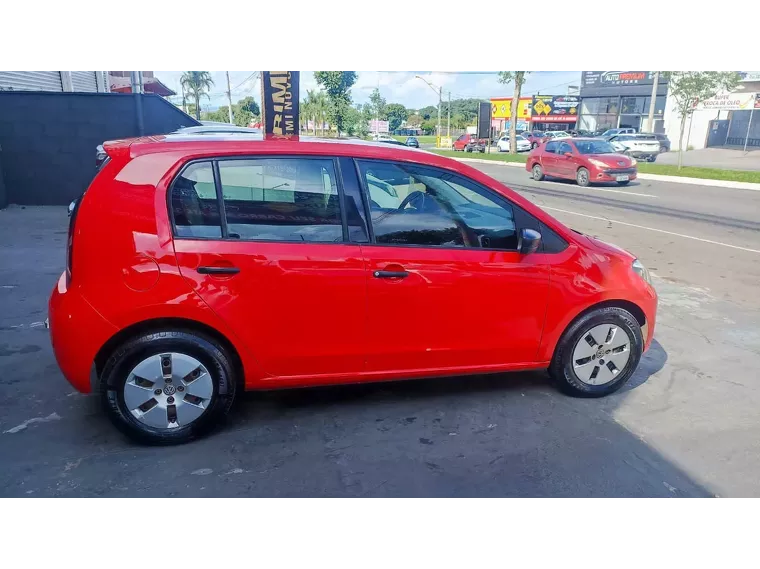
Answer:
(601, 354)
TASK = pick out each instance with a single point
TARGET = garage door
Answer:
(84, 81)
(31, 80)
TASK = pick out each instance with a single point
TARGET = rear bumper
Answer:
(643, 154)
(77, 332)
(611, 175)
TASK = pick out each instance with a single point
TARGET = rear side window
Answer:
(281, 199)
(551, 147)
(194, 203)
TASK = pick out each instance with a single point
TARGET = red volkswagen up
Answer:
(201, 266)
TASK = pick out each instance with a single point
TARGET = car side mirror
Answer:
(529, 241)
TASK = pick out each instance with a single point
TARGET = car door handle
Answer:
(390, 274)
(218, 270)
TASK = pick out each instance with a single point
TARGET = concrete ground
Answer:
(723, 158)
(686, 424)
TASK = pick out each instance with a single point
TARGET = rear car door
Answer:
(447, 288)
(262, 241)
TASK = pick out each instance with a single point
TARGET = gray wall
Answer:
(48, 140)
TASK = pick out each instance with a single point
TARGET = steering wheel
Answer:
(414, 195)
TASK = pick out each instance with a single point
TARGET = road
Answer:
(686, 425)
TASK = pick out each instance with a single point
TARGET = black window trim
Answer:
(214, 162)
(519, 215)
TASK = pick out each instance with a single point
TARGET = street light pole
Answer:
(650, 119)
(229, 97)
(439, 90)
(448, 120)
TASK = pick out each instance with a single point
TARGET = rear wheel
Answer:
(582, 177)
(538, 172)
(534, 145)
(598, 353)
(168, 387)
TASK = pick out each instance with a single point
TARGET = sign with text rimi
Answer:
(279, 104)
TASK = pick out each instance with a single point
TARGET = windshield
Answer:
(594, 147)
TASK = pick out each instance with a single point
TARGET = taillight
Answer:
(73, 209)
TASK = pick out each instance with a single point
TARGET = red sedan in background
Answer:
(585, 160)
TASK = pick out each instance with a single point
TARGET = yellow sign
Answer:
(542, 108)
(501, 108)
(444, 142)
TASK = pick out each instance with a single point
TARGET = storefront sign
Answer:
(550, 108)
(617, 78)
(501, 108)
(279, 103)
(729, 102)
(749, 75)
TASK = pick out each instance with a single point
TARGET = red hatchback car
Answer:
(198, 267)
(585, 160)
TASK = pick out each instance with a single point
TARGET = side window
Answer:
(463, 137)
(551, 147)
(565, 147)
(281, 199)
(411, 205)
(194, 202)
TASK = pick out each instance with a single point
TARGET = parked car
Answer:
(641, 146)
(382, 137)
(212, 128)
(240, 264)
(469, 143)
(503, 145)
(663, 140)
(534, 137)
(553, 135)
(609, 133)
(392, 141)
(412, 141)
(585, 160)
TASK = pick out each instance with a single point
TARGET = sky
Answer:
(396, 86)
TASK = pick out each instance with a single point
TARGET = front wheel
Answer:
(538, 173)
(168, 387)
(582, 177)
(598, 353)
(534, 145)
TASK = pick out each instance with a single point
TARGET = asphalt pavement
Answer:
(686, 424)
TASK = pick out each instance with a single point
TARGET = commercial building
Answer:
(61, 81)
(540, 112)
(620, 99)
(729, 120)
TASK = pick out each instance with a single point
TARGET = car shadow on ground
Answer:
(603, 185)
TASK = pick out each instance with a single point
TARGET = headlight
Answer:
(633, 162)
(641, 270)
(598, 163)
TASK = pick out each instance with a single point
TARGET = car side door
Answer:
(567, 160)
(549, 157)
(447, 289)
(272, 247)
(461, 142)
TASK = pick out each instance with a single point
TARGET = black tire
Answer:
(625, 183)
(534, 145)
(663, 149)
(207, 351)
(538, 172)
(561, 368)
(582, 177)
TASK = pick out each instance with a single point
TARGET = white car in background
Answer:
(382, 137)
(639, 146)
(523, 144)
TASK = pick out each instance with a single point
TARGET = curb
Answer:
(657, 177)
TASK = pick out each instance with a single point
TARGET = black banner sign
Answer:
(279, 104)
(484, 120)
(617, 78)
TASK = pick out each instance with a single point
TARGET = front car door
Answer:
(566, 165)
(278, 265)
(447, 289)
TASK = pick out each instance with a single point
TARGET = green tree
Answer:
(250, 105)
(377, 104)
(197, 84)
(414, 120)
(396, 115)
(688, 88)
(518, 78)
(337, 85)
(428, 112)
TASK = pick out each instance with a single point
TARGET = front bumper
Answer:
(77, 332)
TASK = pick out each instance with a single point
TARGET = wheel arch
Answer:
(549, 345)
(154, 324)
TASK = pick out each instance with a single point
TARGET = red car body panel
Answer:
(303, 314)
(467, 139)
(561, 166)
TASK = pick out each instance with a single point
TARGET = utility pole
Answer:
(229, 96)
(650, 119)
(440, 97)
(448, 121)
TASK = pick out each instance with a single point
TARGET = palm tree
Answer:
(197, 84)
(306, 111)
(320, 110)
